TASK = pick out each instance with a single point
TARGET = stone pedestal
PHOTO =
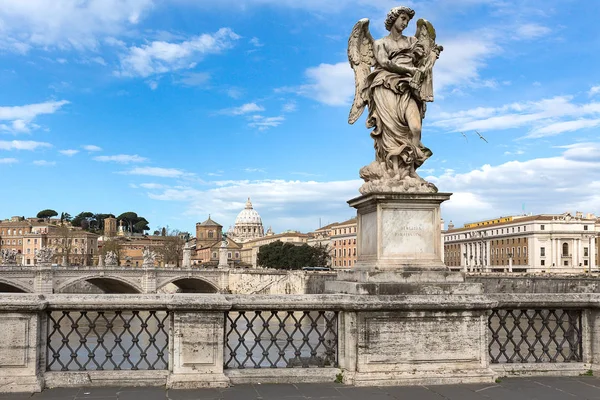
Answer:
(399, 246)
(197, 350)
(398, 231)
(21, 355)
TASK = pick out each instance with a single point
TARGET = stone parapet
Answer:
(373, 340)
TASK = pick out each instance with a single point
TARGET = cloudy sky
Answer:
(177, 109)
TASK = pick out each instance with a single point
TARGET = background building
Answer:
(248, 225)
(343, 244)
(524, 243)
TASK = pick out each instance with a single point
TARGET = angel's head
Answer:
(394, 13)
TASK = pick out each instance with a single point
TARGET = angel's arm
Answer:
(383, 60)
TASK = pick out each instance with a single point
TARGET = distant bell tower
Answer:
(110, 227)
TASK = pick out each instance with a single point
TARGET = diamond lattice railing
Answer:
(281, 339)
(535, 336)
(107, 340)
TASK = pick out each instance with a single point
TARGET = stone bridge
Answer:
(79, 279)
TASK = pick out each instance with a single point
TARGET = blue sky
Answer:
(183, 108)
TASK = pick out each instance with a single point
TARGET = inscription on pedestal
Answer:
(407, 232)
(425, 339)
(14, 337)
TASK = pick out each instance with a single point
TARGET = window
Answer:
(519, 229)
(585, 252)
(565, 249)
(237, 255)
(542, 252)
(214, 254)
(585, 227)
(524, 229)
(354, 252)
(543, 262)
(210, 234)
(228, 255)
(524, 251)
(585, 262)
(566, 263)
(28, 261)
(542, 227)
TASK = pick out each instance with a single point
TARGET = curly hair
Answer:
(392, 16)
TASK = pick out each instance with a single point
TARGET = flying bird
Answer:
(466, 138)
(481, 137)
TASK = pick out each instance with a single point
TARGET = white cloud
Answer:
(256, 42)
(532, 31)
(546, 117)
(156, 171)
(561, 127)
(283, 204)
(594, 90)
(68, 153)
(122, 158)
(243, 109)
(159, 57)
(152, 186)
(462, 59)
(545, 185)
(8, 161)
(289, 107)
(21, 117)
(65, 23)
(193, 79)
(91, 147)
(331, 84)
(44, 163)
(263, 123)
(22, 145)
(251, 170)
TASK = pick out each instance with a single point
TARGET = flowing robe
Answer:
(389, 95)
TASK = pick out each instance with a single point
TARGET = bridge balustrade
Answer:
(184, 340)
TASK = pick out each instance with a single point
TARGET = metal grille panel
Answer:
(281, 339)
(107, 340)
(535, 336)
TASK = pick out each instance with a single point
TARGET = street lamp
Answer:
(510, 255)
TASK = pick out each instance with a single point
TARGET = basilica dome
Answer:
(248, 225)
(248, 215)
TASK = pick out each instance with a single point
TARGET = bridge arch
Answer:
(106, 284)
(8, 286)
(189, 285)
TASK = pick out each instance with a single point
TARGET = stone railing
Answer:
(185, 341)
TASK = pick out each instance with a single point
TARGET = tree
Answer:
(65, 243)
(65, 216)
(47, 214)
(281, 255)
(135, 223)
(83, 220)
(171, 247)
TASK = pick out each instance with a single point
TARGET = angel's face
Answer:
(401, 22)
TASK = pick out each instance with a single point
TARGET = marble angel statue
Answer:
(393, 77)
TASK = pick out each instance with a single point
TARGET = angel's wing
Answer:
(422, 82)
(361, 57)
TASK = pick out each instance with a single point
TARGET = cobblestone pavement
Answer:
(547, 388)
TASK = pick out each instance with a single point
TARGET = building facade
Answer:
(561, 243)
(27, 236)
(343, 244)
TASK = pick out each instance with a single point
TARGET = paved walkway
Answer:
(509, 388)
